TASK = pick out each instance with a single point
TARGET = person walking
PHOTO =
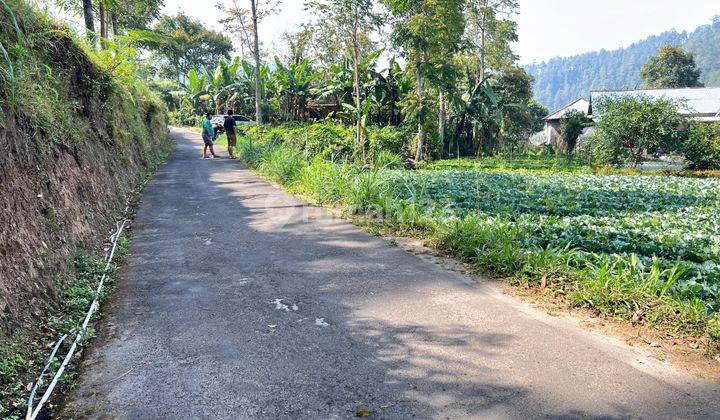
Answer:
(208, 135)
(230, 132)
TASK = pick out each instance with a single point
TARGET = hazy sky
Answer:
(547, 27)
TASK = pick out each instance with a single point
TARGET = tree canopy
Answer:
(673, 67)
(188, 45)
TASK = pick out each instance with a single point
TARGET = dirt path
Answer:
(240, 301)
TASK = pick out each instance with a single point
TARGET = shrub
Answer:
(571, 126)
(253, 152)
(392, 139)
(365, 190)
(330, 141)
(326, 181)
(387, 160)
(599, 149)
(702, 147)
(282, 165)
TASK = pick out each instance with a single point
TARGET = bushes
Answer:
(571, 126)
(598, 149)
(702, 148)
(332, 141)
(390, 139)
(282, 165)
(327, 181)
(643, 125)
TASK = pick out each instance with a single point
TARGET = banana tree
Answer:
(338, 82)
(388, 88)
(292, 88)
(481, 115)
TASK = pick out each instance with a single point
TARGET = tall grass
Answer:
(8, 70)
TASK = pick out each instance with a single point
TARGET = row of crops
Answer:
(675, 220)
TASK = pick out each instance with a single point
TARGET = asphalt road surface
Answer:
(241, 301)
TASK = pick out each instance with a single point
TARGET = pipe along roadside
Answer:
(34, 411)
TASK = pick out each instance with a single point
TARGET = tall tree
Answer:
(237, 21)
(133, 14)
(429, 32)
(89, 16)
(490, 32)
(113, 15)
(352, 21)
(243, 23)
(103, 21)
(256, 57)
(188, 45)
(673, 67)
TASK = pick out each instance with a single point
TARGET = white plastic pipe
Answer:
(32, 414)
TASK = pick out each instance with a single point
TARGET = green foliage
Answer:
(571, 126)
(430, 32)
(187, 45)
(389, 138)
(643, 125)
(326, 181)
(538, 112)
(328, 140)
(702, 147)
(282, 165)
(599, 150)
(673, 67)
(387, 160)
(490, 32)
(291, 87)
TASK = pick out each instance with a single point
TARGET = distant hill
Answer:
(563, 79)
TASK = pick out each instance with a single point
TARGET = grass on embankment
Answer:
(478, 225)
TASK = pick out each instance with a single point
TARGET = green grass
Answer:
(626, 246)
(23, 356)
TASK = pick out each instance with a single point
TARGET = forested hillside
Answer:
(560, 80)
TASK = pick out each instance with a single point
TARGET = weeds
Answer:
(22, 357)
(282, 166)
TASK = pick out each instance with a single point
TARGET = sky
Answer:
(547, 28)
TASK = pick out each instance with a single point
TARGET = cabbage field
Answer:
(669, 221)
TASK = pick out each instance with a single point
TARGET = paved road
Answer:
(239, 301)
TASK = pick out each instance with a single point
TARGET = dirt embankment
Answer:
(73, 140)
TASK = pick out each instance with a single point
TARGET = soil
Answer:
(57, 198)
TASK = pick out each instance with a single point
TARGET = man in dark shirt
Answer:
(229, 126)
